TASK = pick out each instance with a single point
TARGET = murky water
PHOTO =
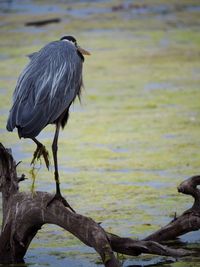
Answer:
(27, 7)
(136, 135)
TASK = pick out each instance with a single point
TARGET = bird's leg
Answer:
(58, 195)
(40, 151)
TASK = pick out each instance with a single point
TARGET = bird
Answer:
(44, 92)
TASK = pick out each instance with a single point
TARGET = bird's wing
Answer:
(46, 87)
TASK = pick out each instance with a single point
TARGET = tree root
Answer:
(24, 214)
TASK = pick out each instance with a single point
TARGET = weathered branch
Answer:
(29, 221)
(128, 246)
(24, 214)
(31, 213)
(189, 187)
(188, 221)
(44, 22)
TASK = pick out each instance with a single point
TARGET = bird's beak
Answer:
(83, 51)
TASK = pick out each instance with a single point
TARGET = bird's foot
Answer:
(60, 198)
(41, 151)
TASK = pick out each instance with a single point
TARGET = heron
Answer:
(44, 92)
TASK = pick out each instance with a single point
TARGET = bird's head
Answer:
(74, 42)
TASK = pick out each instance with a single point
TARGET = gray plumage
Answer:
(30, 56)
(46, 88)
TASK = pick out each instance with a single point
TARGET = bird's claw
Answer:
(41, 151)
(60, 198)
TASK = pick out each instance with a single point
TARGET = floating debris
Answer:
(40, 23)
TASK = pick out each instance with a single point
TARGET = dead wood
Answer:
(128, 246)
(44, 22)
(188, 221)
(24, 214)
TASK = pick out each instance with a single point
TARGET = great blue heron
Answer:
(44, 92)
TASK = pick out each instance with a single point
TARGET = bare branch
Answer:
(24, 215)
(188, 221)
(132, 247)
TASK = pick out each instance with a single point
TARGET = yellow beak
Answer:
(83, 51)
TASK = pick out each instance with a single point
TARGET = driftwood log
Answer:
(44, 22)
(24, 214)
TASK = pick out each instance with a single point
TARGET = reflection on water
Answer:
(60, 257)
(158, 261)
(192, 237)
